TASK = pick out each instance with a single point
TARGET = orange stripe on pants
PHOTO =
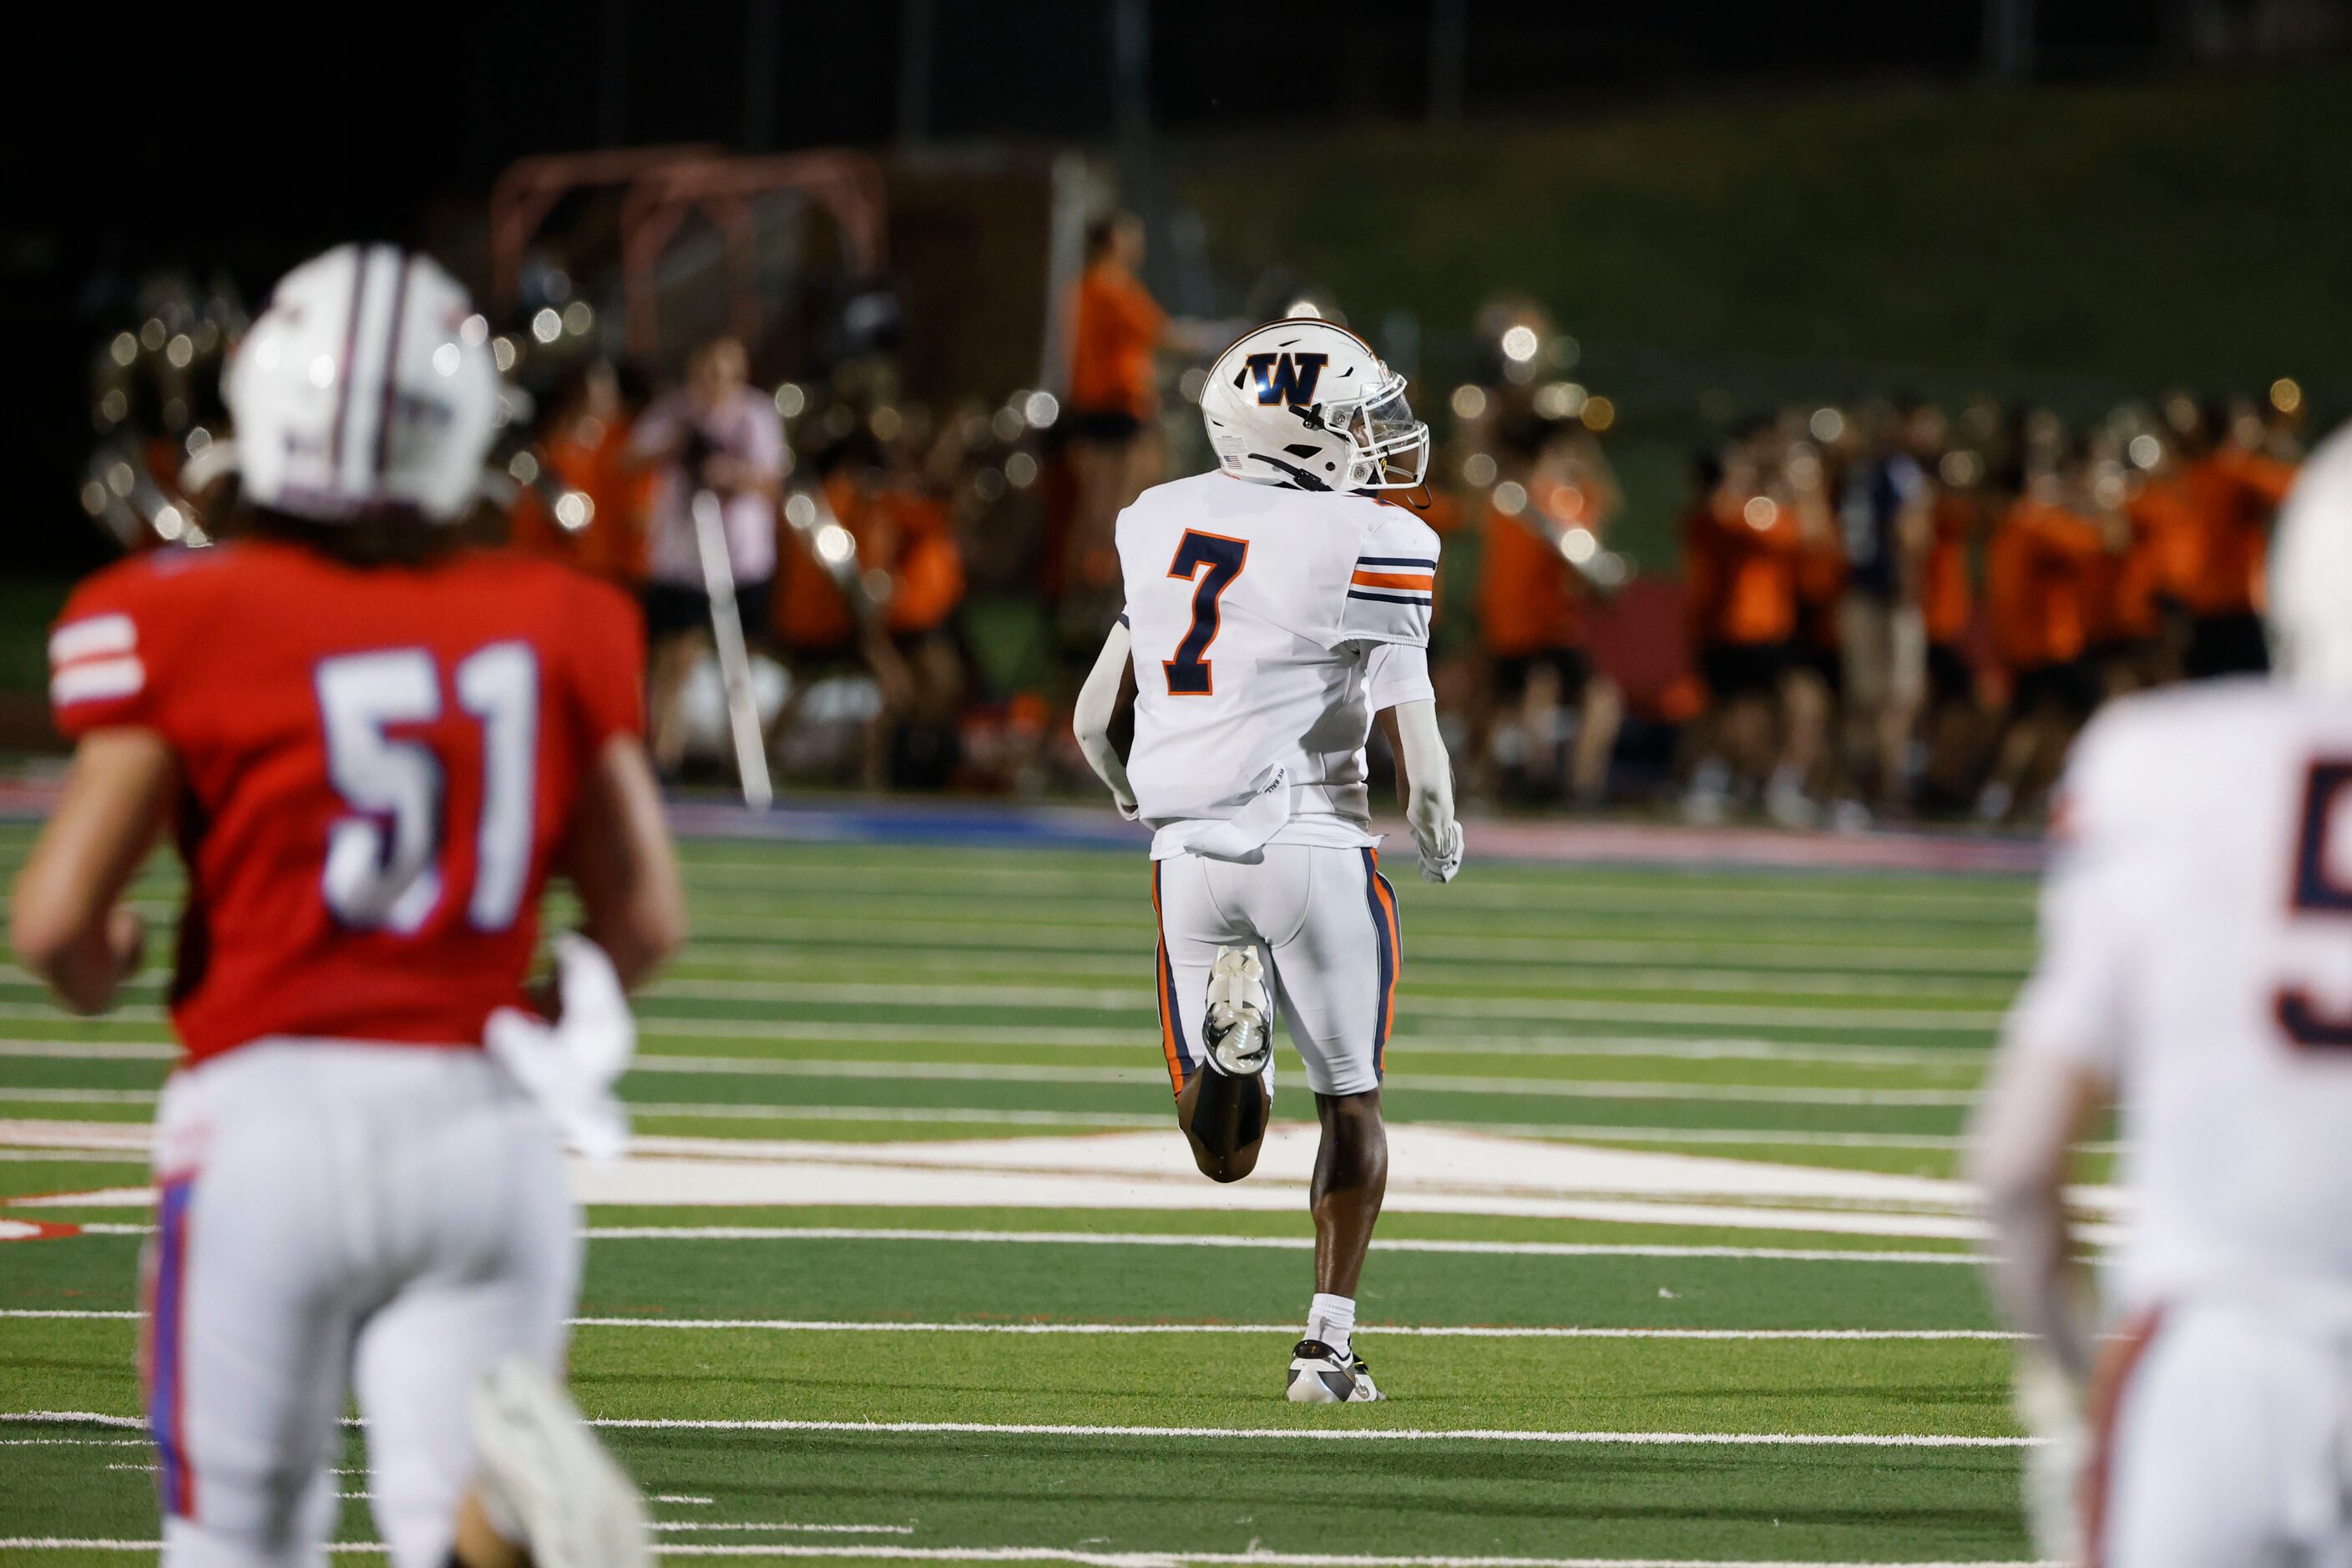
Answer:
(1164, 987)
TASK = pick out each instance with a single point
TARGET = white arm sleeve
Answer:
(1396, 674)
(1429, 789)
(1097, 705)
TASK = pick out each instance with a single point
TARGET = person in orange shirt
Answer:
(1754, 533)
(1948, 597)
(895, 613)
(2043, 571)
(582, 452)
(1544, 515)
(1116, 329)
(2158, 564)
(1961, 729)
(2234, 488)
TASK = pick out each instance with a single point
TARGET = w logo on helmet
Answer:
(1286, 377)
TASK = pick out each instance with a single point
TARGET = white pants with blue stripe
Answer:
(1323, 921)
(384, 1220)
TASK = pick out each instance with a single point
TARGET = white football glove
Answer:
(569, 1066)
(1441, 858)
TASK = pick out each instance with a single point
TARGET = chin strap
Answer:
(1299, 476)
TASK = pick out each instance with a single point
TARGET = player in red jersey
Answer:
(372, 746)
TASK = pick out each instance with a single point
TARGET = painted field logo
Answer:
(1286, 377)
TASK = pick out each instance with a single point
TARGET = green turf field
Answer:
(1659, 1373)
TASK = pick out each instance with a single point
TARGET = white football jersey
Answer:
(2196, 945)
(1269, 625)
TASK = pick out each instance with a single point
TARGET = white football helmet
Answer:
(2310, 609)
(1305, 403)
(361, 388)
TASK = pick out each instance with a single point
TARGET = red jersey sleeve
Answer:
(113, 650)
(608, 664)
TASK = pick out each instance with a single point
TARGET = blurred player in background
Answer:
(720, 434)
(372, 746)
(2196, 971)
(1274, 607)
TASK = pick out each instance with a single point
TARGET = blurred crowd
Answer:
(1895, 611)
(1883, 610)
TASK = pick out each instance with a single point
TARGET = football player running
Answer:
(372, 745)
(1274, 607)
(2196, 971)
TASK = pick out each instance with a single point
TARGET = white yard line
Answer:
(648, 1063)
(800, 1529)
(1270, 1434)
(48, 1012)
(1444, 1172)
(916, 1114)
(1582, 1132)
(1160, 1239)
(1383, 1331)
(1105, 999)
(79, 1443)
(1121, 939)
(1465, 959)
(79, 1096)
(1275, 1243)
(1332, 1434)
(1958, 1057)
(1146, 1559)
(1380, 1330)
(93, 1050)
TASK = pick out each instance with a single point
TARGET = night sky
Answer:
(221, 137)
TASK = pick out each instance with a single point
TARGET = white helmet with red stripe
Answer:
(362, 389)
(1305, 403)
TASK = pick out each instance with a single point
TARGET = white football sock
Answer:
(1332, 1320)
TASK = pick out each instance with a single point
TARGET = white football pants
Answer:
(2228, 1447)
(1323, 921)
(388, 1220)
